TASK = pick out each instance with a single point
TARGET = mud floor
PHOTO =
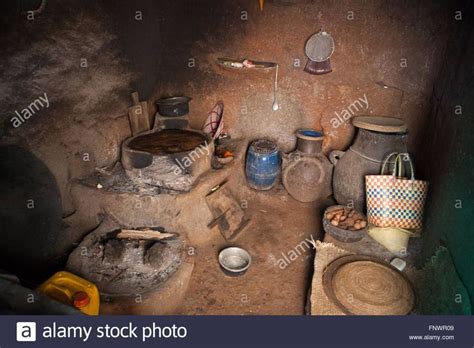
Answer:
(280, 228)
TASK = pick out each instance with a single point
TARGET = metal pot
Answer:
(373, 142)
(173, 106)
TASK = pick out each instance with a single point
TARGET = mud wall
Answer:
(63, 72)
(396, 43)
(448, 159)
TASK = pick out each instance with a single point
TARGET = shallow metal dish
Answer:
(234, 261)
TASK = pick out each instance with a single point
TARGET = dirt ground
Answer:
(280, 228)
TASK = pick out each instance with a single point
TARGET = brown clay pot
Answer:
(307, 172)
(364, 157)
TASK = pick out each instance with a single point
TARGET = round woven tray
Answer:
(363, 285)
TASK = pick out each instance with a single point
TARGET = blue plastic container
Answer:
(263, 164)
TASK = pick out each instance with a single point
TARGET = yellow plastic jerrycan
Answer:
(72, 290)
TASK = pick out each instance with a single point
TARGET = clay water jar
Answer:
(307, 172)
(376, 137)
(309, 141)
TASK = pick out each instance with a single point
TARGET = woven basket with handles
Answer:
(394, 200)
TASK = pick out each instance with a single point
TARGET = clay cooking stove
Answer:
(168, 158)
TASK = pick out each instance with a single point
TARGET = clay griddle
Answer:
(168, 141)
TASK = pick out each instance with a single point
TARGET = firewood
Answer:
(334, 209)
(346, 218)
(332, 213)
(145, 234)
(351, 221)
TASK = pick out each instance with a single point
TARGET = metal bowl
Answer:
(234, 261)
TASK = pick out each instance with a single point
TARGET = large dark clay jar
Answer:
(376, 138)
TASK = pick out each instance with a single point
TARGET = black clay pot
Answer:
(364, 157)
(173, 106)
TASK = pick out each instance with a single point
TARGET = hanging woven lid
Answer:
(320, 46)
(363, 285)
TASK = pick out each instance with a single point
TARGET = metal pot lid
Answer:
(173, 100)
(320, 46)
(380, 124)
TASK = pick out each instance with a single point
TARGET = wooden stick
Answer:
(145, 234)
(217, 219)
(135, 98)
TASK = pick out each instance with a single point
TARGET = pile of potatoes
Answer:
(345, 218)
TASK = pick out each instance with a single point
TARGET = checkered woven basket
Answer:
(393, 200)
